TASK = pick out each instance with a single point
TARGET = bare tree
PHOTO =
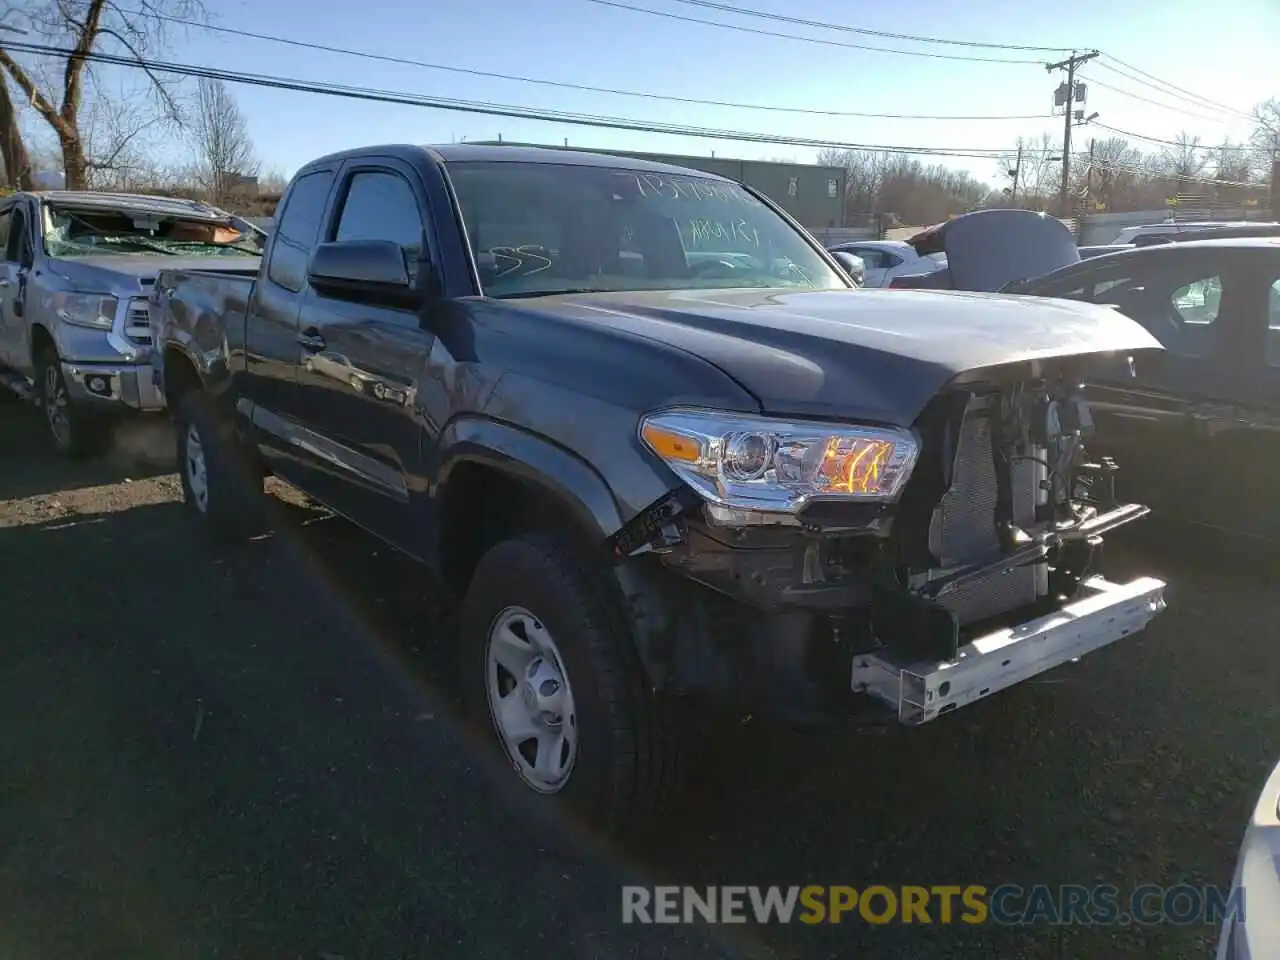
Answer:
(13, 149)
(220, 135)
(1039, 174)
(1185, 160)
(84, 27)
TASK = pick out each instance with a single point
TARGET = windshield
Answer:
(92, 232)
(552, 228)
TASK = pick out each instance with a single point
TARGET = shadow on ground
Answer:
(249, 752)
(29, 465)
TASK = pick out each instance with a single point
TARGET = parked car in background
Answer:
(1256, 884)
(1218, 232)
(1196, 426)
(693, 470)
(1170, 228)
(886, 259)
(77, 268)
(987, 249)
(1099, 250)
(853, 265)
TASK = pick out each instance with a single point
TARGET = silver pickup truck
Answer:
(75, 274)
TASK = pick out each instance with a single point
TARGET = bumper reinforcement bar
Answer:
(920, 692)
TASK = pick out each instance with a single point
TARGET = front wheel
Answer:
(75, 434)
(218, 483)
(549, 667)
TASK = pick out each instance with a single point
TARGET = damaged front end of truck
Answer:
(808, 566)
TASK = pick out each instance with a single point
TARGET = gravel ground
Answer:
(248, 753)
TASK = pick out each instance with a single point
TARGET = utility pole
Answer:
(1088, 183)
(1068, 113)
(1015, 173)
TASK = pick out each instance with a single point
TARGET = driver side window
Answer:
(1177, 309)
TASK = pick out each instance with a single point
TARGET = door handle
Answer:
(311, 340)
(4, 281)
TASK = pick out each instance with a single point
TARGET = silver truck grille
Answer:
(963, 530)
(137, 323)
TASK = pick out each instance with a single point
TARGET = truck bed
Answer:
(196, 310)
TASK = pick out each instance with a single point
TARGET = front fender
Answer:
(532, 459)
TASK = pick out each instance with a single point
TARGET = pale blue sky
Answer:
(1228, 58)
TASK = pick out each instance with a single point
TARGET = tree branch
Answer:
(34, 96)
(171, 106)
(74, 73)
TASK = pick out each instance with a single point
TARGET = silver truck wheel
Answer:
(531, 700)
(221, 492)
(197, 470)
(74, 433)
(57, 407)
(552, 681)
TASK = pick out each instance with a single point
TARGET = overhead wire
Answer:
(1157, 83)
(818, 40)
(561, 84)
(1244, 148)
(864, 31)
(490, 108)
(1182, 109)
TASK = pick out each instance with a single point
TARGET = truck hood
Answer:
(988, 249)
(123, 273)
(873, 355)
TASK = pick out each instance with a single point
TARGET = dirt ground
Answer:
(250, 753)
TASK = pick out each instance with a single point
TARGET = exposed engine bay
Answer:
(999, 523)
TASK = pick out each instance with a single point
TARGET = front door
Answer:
(14, 352)
(1162, 412)
(1248, 456)
(363, 361)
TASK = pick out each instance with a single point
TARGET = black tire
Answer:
(627, 765)
(231, 507)
(74, 432)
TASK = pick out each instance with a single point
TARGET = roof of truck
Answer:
(164, 206)
(462, 152)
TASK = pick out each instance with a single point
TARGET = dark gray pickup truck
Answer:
(645, 427)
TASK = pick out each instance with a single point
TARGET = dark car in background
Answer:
(1196, 425)
(988, 249)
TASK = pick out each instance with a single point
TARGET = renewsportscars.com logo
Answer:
(1005, 905)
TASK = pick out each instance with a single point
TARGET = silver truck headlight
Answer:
(747, 463)
(85, 309)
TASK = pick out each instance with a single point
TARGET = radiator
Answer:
(963, 528)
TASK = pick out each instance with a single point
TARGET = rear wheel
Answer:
(221, 491)
(550, 669)
(74, 432)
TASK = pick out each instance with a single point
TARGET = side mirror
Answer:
(371, 267)
(853, 266)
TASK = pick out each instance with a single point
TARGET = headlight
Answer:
(85, 309)
(746, 463)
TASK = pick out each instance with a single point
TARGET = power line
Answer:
(1174, 143)
(1153, 81)
(493, 109)
(844, 28)
(564, 85)
(1182, 109)
(1121, 166)
(793, 36)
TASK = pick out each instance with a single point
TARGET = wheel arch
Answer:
(495, 480)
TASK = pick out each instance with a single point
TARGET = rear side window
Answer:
(304, 208)
(297, 227)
